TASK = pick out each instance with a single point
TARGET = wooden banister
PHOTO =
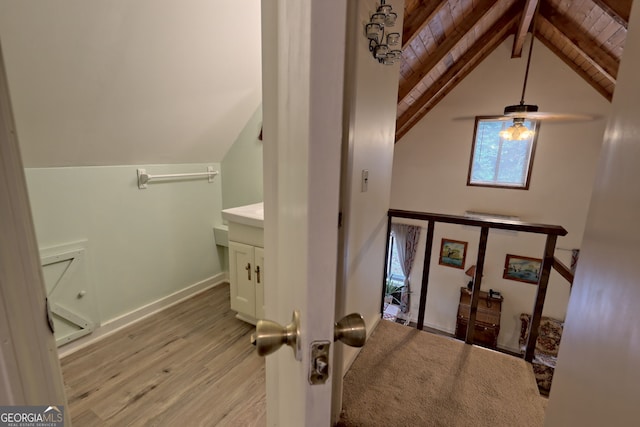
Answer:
(549, 261)
(543, 281)
(526, 227)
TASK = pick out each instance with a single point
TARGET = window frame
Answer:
(534, 141)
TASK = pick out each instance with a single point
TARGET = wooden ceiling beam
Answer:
(486, 44)
(419, 18)
(619, 10)
(523, 27)
(571, 33)
(593, 82)
(428, 63)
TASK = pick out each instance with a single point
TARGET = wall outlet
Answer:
(365, 180)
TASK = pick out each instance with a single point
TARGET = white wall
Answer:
(430, 171)
(130, 82)
(142, 245)
(370, 111)
(242, 166)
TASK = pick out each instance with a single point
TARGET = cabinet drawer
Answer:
(484, 333)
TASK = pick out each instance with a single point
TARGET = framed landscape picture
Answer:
(453, 253)
(522, 269)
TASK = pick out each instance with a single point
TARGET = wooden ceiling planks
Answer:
(450, 42)
(417, 15)
(575, 35)
(459, 49)
(480, 50)
(443, 41)
(595, 72)
(617, 9)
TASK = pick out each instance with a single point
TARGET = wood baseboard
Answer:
(143, 312)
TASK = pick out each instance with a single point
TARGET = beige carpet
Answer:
(405, 377)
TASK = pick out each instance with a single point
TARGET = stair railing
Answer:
(548, 261)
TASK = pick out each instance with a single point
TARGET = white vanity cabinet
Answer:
(246, 271)
(246, 261)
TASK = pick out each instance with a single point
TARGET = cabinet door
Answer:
(259, 279)
(241, 266)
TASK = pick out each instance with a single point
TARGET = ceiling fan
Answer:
(519, 113)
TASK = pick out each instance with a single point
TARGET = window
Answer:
(395, 277)
(496, 160)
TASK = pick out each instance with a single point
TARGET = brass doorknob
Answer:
(351, 330)
(269, 336)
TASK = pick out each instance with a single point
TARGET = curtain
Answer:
(407, 245)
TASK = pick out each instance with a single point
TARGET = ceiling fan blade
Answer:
(558, 117)
(540, 115)
(472, 118)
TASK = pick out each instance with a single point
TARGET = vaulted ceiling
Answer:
(444, 40)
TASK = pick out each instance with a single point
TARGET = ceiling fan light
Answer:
(525, 134)
(518, 131)
(506, 134)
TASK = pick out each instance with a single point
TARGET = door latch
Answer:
(319, 366)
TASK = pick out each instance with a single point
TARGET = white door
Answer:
(597, 379)
(29, 368)
(303, 66)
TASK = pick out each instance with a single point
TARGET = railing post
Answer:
(477, 283)
(425, 274)
(543, 281)
(385, 270)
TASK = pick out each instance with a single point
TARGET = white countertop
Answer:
(252, 215)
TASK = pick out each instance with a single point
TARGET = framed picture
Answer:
(453, 253)
(522, 269)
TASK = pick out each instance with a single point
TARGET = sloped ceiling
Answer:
(130, 82)
(443, 41)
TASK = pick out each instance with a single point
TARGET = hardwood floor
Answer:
(190, 365)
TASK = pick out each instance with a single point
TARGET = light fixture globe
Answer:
(518, 131)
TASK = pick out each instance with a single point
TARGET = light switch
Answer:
(365, 180)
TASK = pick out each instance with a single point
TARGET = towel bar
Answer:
(144, 177)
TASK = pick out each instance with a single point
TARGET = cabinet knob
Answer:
(257, 273)
(248, 268)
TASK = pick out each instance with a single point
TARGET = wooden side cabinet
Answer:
(487, 325)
